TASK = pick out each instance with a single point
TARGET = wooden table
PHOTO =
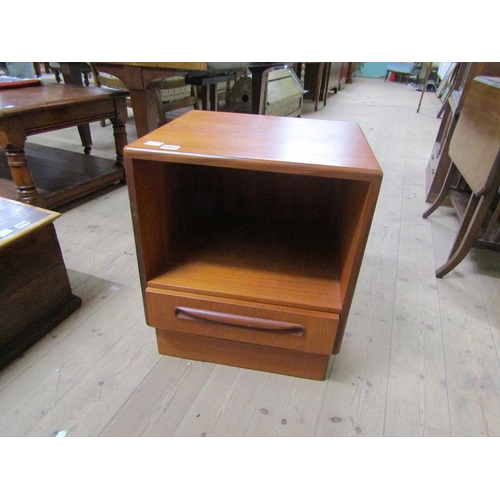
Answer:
(33, 110)
(35, 293)
(250, 232)
(140, 78)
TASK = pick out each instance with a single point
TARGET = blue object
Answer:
(402, 68)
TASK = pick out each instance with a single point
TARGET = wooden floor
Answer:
(420, 356)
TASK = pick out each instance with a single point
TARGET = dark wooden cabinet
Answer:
(334, 77)
(35, 292)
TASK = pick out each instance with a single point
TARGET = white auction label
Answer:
(22, 224)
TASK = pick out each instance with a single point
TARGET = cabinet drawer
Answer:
(275, 326)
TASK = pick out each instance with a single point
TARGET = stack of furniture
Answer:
(321, 78)
(440, 160)
(473, 177)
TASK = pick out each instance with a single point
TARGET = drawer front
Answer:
(249, 322)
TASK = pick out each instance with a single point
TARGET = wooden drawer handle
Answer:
(241, 321)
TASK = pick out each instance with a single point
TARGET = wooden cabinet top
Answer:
(257, 142)
(17, 219)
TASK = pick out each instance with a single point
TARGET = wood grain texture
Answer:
(242, 354)
(279, 144)
(474, 146)
(318, 328)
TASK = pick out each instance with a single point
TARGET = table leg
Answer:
(85, 137)
(120, 130)
(257, 74)
(319, 85)
(21, 174)
(145, 107)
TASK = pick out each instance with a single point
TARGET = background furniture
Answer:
(316, 82)
(143, 78)
(35, 293)
(250, 232)
(404, 70)
(322, 78)
(473, 177)
(171, 93)
(77, 73)
(32, 110)
(440, 160)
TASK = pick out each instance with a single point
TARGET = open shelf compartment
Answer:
(262, 236)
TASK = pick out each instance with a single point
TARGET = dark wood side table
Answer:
(33, 110)
(250, 232)
(35, 293)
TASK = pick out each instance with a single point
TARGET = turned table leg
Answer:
(85, 137)
(12, 140)
(119, 130)
(21, 174)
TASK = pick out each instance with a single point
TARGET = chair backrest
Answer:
(475, 144)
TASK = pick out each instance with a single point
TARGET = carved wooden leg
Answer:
(21, 174)
(85, 137)
(120, 135)
(120, 130)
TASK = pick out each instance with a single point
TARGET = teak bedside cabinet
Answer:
(250, 232)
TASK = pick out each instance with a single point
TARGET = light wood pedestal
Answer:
(250, 232)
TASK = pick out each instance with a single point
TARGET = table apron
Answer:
(45, 120)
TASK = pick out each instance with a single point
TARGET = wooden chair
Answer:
(473, 178)
(83, 67)
(174, 93)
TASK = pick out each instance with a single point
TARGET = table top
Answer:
(16, 219)
(192, 66)
(167, 65)
(259, 142)
(21, 100)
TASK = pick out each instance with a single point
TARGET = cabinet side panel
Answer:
(358, 206)
(152, 190)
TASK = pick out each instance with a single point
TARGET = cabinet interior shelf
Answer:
(249, 264)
